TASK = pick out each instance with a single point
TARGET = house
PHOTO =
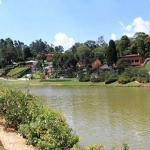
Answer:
(96, 63)
(49, 57)
(106, 67)
(136, 59)
(32, 64)
(80, 64)
(50, 68)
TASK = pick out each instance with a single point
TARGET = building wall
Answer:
(136, 60)
(96, 64)
(49, 57)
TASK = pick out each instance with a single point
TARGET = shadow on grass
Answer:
(55, 80)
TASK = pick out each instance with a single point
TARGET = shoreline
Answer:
(68, 82)
(11, 140)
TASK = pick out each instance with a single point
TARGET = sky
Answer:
(64, 22)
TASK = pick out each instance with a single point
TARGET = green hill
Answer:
(18, 72)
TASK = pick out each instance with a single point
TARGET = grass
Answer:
(147, 66)
(65, 82)
(2, 148)
(130, 84)
(16, 71)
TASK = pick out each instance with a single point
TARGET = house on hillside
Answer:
(105, 67)
(50, 69)
(31, 64)
(49, 57)
(136, 59)
(96, 63)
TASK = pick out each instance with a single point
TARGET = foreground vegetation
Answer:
(42, 126)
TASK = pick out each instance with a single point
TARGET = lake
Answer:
(103, 115)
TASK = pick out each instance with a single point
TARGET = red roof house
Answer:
(136, 59)
(49, 57)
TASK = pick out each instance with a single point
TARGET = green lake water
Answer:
(103, 115)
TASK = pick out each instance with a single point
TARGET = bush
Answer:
(95, 79)
(124, 79)
(110, 80)
(84, 79)
(143, 79)
(96, 147)
(42, 126)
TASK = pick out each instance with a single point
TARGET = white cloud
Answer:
(0, 1)
(137, 25)
(113, 36)
(141, 26)
(121, 23)
(63, 40)
(128, 34)
(128, 27)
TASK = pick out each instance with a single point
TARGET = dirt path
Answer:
(13, 141)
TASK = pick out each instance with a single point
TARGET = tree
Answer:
(39, 47)
(27, 53)
(100, 52)
(74, 48)
(8, 51)
(84, 53)
(68, 59)
(139, 42)
(123, 45)
(147, 46)
(100, 41)
(111, 53)
(58, 48)
(122, 64)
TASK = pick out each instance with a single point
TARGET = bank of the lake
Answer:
(67, 82)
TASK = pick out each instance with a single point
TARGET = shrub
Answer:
(110, 80)
(17, 107)
(96, 147)
(42, 126)
(98, 79)
(143, 79)
(124, 79)
(84, 79)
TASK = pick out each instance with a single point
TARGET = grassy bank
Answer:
(65, 82)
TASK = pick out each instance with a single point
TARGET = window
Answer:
(137, 60)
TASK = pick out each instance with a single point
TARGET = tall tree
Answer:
(100, 41)
(84, 53)
(39, 47)
(147, 46)
(139, 41)
(111, 53)
(8, 51)
(123, 45)
(100, 52)
(27, 53)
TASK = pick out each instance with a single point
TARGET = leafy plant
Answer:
(42, 126)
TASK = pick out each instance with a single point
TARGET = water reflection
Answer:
(103, 115)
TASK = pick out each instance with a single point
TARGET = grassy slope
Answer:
(16, 71)
(147, 66)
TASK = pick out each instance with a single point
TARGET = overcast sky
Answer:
(64, 22)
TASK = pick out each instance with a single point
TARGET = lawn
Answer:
(64, 82)
(147, 66)
(16, 71)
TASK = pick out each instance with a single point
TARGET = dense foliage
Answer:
(42, 126)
